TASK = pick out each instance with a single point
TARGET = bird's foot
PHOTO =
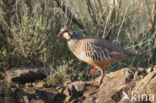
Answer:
(93, 71)
(97, 85)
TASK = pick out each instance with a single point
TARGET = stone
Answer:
(26, 100)
(79, 85)
(2, 99)
(71, 93)
(39, 84)
(126, 81)
(140, 86)
(37, 101)
(24, 75)
(9, 99)
(151, 88)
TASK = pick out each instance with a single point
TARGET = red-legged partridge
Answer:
(95, 51)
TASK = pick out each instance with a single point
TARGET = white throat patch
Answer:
(66, 35)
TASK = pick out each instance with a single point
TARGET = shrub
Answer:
(29, 38)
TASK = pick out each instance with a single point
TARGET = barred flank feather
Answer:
(96, 53)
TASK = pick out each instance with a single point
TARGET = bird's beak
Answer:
(60, 34)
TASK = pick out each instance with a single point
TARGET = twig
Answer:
(71, 16)
(148, 12)
(100, 5)
(122, 22)
(106, 24)
(154, 17)
(91, 11)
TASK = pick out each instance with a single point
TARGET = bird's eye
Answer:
(65, 31)
(71, 36)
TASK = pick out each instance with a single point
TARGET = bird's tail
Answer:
(130, 54)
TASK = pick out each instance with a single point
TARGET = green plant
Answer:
(70, 70)
(29, 38)
(2, 75)
(56, 77)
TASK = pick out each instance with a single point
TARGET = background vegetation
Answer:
(29, 28)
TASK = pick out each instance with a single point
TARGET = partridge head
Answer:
(68, 33)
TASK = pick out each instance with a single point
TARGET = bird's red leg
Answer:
(93, 71)
(101, 80)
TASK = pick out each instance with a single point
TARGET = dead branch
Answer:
(91, 11)
(154, 17)
(99, 1)
(71, 16)
(148, 12)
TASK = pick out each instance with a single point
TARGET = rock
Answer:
(111, 91)
(25, 98)
(151, 88)
(79, 85)
(151, 69)
(2, 99)
(141, 85)
(24, 75)
(7, 93)
(73, 94)
(70, 93)
(127, 85)
(124, 80)
(39, 84)
(27, 95)
(9, 99)
(37, 101)
(58, 98)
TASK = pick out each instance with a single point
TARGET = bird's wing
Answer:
(111, 48)
(96, 52)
